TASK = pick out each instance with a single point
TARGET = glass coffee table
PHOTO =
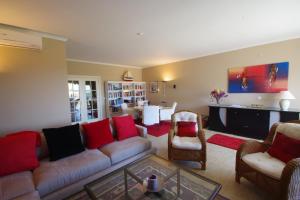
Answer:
(130, 182)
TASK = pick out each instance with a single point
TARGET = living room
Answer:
(62, 62)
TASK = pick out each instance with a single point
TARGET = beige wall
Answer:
(33, 87)
(107, 73)
(195, 78)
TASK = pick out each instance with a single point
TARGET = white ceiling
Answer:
(105, 30)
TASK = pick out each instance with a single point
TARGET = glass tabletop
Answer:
(189, 184)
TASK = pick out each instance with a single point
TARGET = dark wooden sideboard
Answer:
(247, 121)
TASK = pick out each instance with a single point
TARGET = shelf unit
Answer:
(118, 92)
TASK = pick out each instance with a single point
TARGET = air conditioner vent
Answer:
(17, 38)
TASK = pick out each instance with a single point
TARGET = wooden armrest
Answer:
(289, 183)
(170, 136)
(251, 146)
(201, 136)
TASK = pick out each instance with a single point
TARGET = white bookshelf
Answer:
(118, 92)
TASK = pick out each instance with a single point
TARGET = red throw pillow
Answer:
(186, 129)
(33, 133)
(125, 127)
(285, 148)
(18, 154)
(97, 134)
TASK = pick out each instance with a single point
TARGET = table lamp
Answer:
(285, 97)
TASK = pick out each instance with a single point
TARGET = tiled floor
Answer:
(220, 168)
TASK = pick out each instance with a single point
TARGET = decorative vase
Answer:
(152, 183)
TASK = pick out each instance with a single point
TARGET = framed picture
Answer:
(267, 78)
(154, 87)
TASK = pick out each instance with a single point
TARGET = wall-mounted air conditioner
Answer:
(23, 39)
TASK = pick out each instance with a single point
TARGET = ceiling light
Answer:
(140, 33)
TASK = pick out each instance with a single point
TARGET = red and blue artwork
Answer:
(267, 78)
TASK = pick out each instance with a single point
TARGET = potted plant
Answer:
(218, 94)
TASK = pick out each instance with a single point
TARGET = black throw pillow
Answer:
(64, 141)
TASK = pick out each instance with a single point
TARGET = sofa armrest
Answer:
(142, 131)
(289, 183)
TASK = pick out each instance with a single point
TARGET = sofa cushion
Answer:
(14, 185)
(121, 150)
(29, 196)
(265, 164)
(64, 141)
(33, 133)
(18, 153)
(191, 143)
(51, 176)
(125, 127)
(97, 134)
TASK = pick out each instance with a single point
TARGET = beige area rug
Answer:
(220, 168)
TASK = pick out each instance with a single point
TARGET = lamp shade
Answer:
(286, 95)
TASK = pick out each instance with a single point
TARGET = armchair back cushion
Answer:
(285, 148)
(291, 130)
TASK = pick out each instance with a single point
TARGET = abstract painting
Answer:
(267, 78)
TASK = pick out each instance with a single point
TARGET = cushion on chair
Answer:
(291, 130)
(186, 129)
(15, 185)
(185, 116)
(285, 148)
(190, 143)
(121, 150)
(51, 176)
(265, 164)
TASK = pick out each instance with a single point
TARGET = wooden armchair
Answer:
(187, 153)
(282, 180)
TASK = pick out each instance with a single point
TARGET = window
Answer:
(84, 96)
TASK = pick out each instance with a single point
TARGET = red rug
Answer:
(226, 141)
(158, 129)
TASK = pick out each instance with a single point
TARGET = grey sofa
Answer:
(61, 178)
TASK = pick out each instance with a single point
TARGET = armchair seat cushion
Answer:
(265, 164)
(189, 143)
